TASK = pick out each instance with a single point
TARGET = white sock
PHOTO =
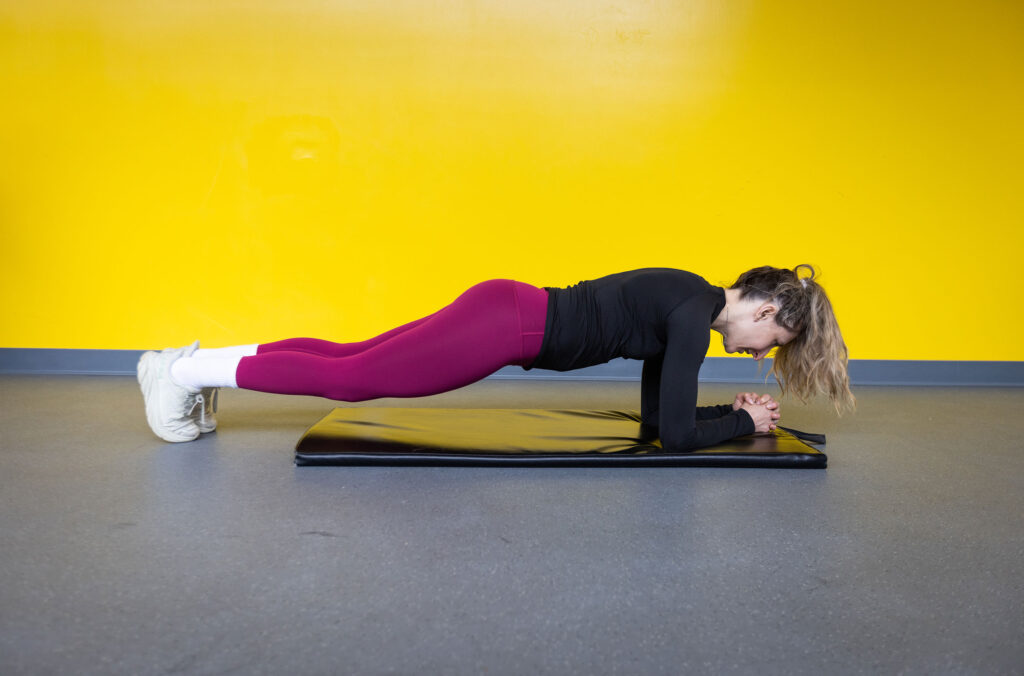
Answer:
(206, 372)
(234, 351)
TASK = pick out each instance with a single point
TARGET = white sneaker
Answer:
(203, 404)
(168, 404)
(206, 402)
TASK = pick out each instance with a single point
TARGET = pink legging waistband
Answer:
(493, 324)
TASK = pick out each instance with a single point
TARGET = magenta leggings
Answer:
(493, 324)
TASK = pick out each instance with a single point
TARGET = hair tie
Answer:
(804, 282)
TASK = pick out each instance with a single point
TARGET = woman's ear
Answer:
(766, 311)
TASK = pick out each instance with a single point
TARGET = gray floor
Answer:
(122, 554)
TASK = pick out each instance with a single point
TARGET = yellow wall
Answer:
(245, 172)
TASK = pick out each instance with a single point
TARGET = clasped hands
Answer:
(762, 408)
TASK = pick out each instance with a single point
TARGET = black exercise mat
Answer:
(529, 437)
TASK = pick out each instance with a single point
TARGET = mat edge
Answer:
(816, 460)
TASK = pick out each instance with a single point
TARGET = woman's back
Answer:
(622, 315)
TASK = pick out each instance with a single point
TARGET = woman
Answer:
(660, 315)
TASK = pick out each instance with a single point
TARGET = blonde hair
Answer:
(816, 361)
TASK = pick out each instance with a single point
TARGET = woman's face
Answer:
(756, 334)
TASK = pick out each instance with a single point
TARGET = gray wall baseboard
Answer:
(715, 370)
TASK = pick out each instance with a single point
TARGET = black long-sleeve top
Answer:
(662, 316)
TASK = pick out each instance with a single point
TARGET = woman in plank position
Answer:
(660, 315)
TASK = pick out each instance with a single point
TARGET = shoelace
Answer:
(199, 400)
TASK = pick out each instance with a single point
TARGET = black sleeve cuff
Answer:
(746, 422)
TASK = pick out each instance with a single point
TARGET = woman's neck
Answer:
(732, 301)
